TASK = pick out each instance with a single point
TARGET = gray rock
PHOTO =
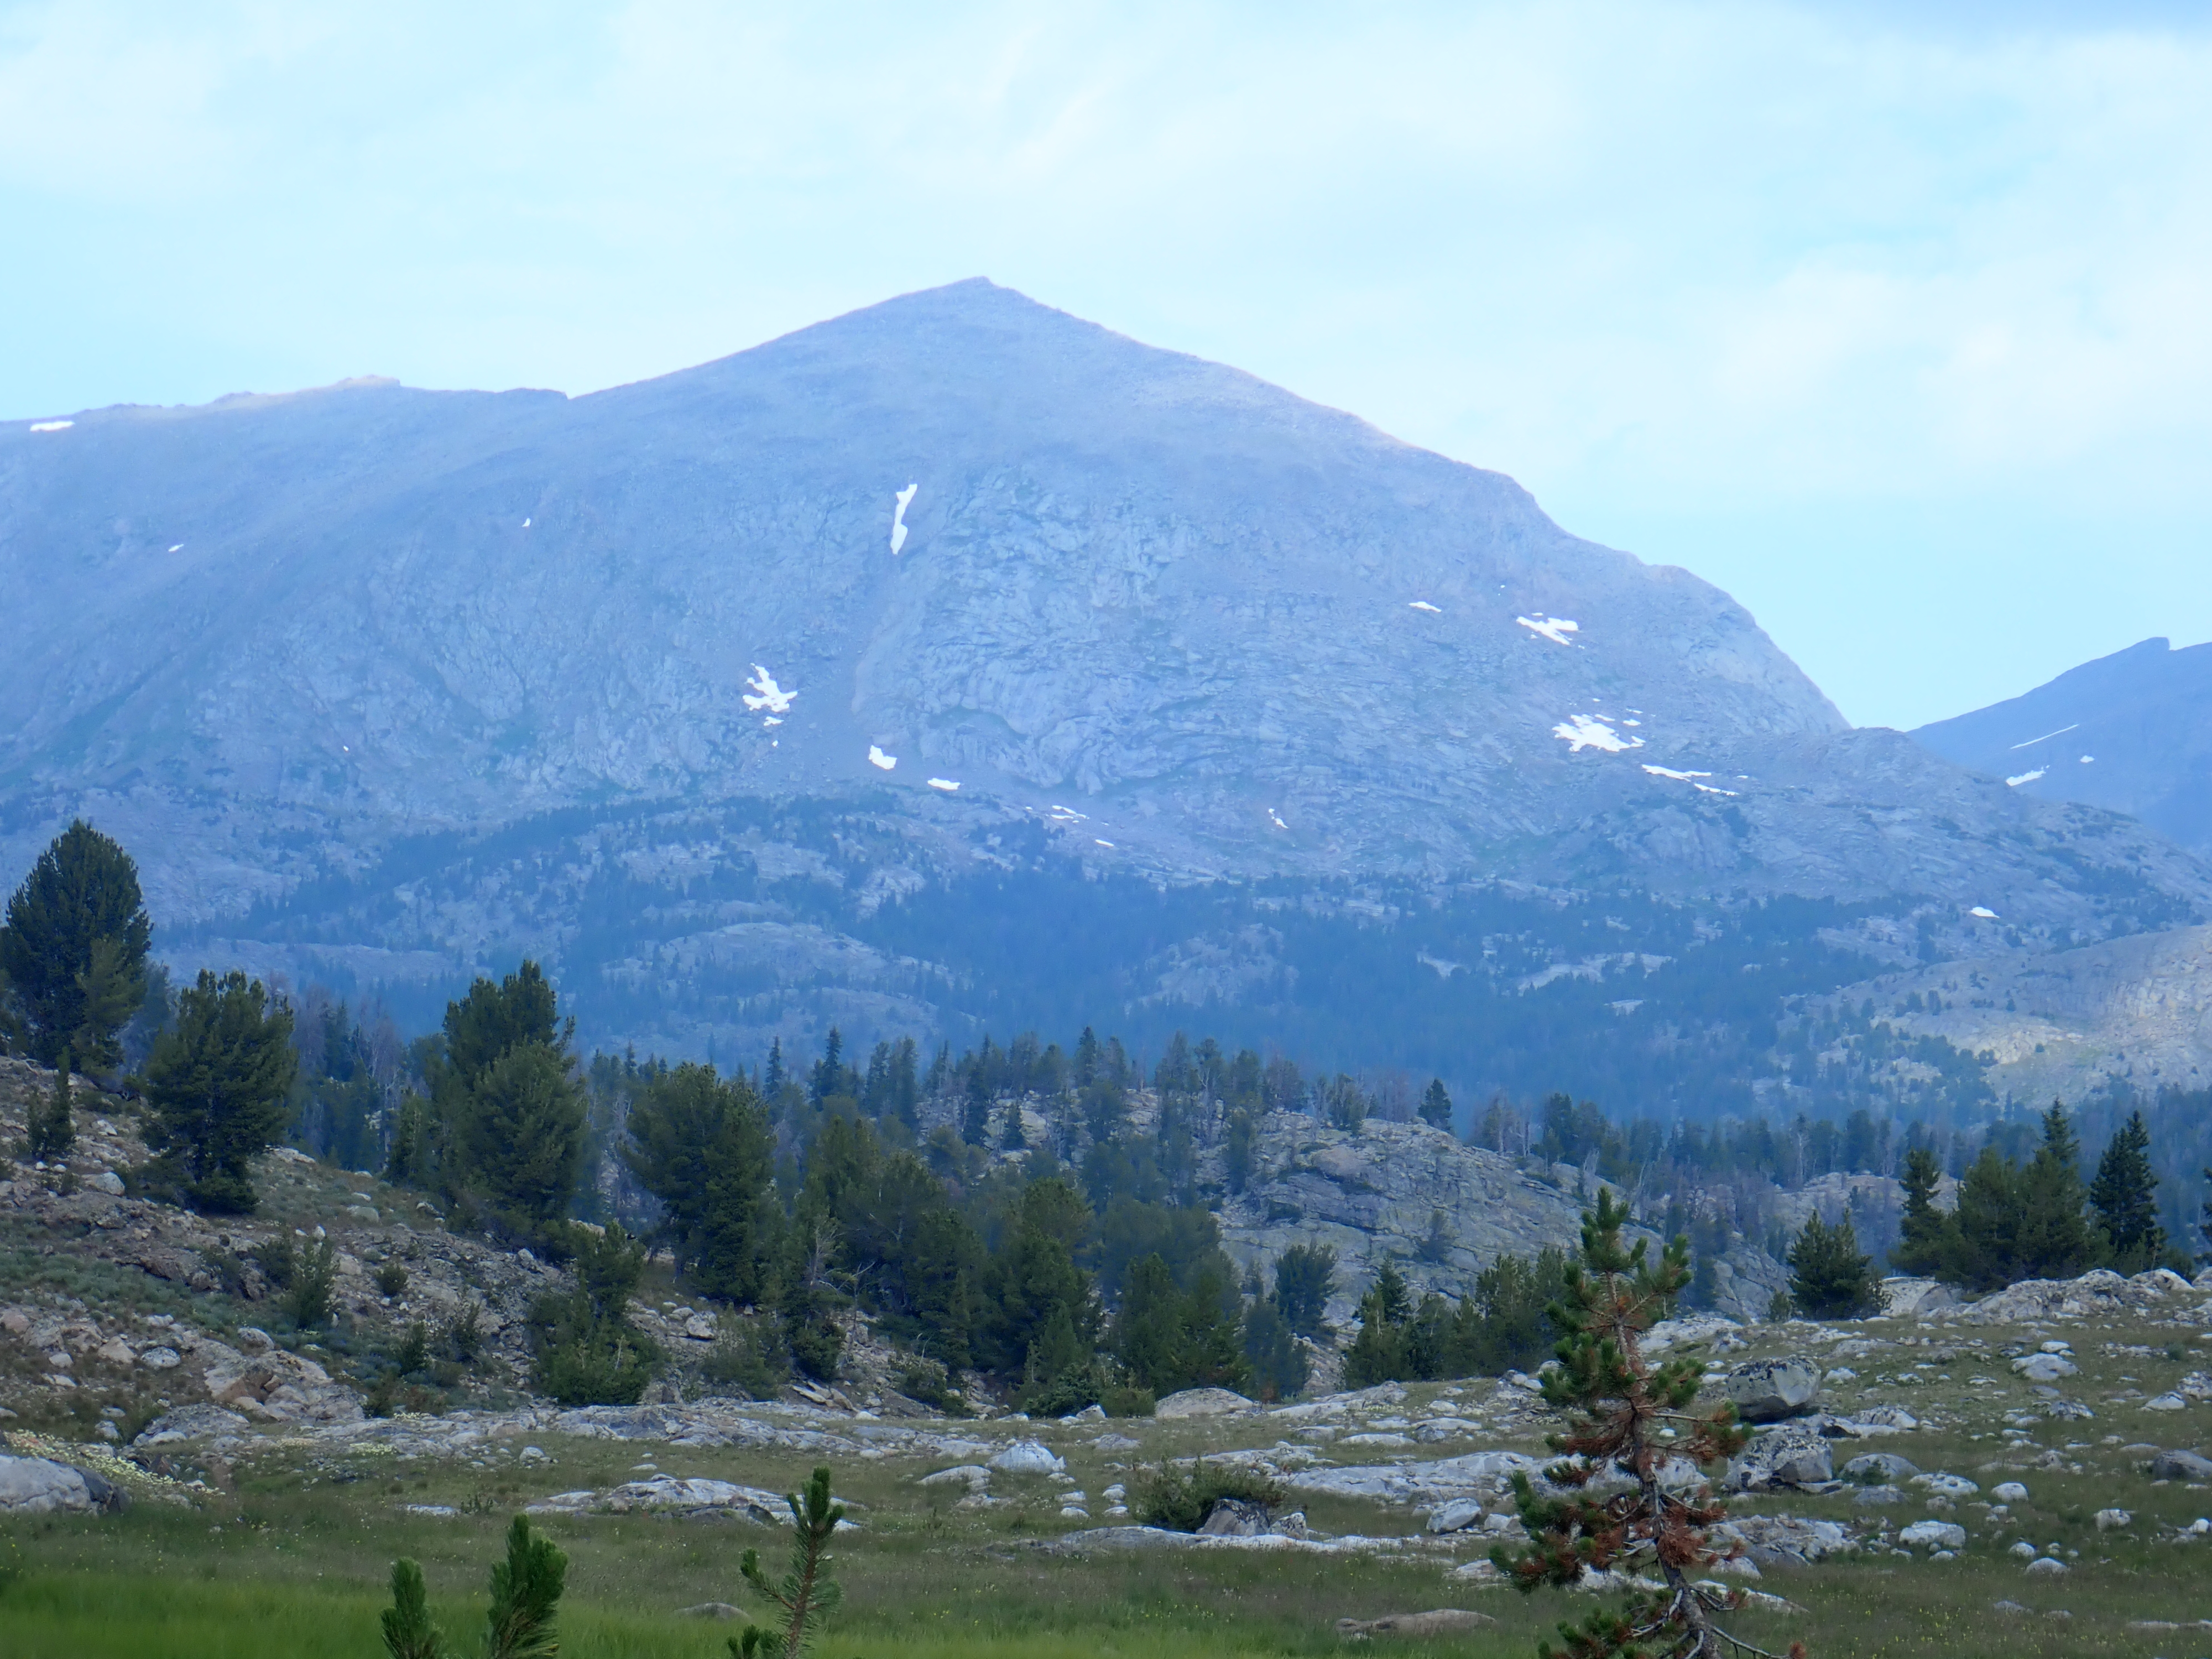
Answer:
(1779, 1458)
(2046, 1568)
(106, 1181)
(38, 1485)
(1029, 1458)
(2044, 1367)
(1769, 1390)
(1234, 1517)
(1877, 1466)
(1783, 1540)
(1417, 1626)
(190, 1423)
(1933, 1535)
(2180, 1465)
(1877, 1496)
(1202, 1402)
(710, 1610)
(1455, 1516)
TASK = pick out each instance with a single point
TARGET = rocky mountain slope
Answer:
(795, 688)
(2132, 732)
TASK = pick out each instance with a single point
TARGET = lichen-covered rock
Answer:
(1782, 1457)
(1202, 1402)
(1769, 1390)
(38, 1485)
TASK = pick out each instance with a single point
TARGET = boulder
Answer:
(1421, 1626)
(188, 1423)
(1028, 1457)
(1769, 1390)
(1875, 1467)
(1234, 1517)
(1933, 1535)
(1202, 1402)
(2113, 1520)
(2044, 1367)
(2010, 1492)
(1941, 1484)
(38, 1485)
(1455, 1516)
(1782, 1457)
(1783, 1540)
(1908, 1298)
(2180, 1465)
(2045, 1568)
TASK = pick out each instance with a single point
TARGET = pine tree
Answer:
(2125, 1197)
(408, 1632)
(703, 1146)
(1379, 1353)
(1437, 1106)
(1278, 1364)
(510, 1113)
(217, 1082)
(1621, 1404)
(1828, 1276)
(1305, 1279)
(52, 1131)
(588, 1353)
(2055, 1240)
(806, 1593)
(772, 1079)
(526, 1595)
(976, 1116)
(1928, 1241)
(82, 893)
(1984, 1254)
(828, 1076)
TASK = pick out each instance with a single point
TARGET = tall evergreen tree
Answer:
(828, 1076)
(1305, 1279)
(2055, 1240)
(216, 1082)
(2125, 1197)
(1929, 1236)
(1437, 1106)
(510, 1113)
(1828, 1276)
(975, 1110)
(80, 895)
(702, 1144)
(772, 1078)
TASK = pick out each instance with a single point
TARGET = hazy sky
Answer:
(1901, 331)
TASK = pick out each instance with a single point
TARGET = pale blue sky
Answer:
(1899, 329)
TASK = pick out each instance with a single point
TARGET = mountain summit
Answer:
(989, 575)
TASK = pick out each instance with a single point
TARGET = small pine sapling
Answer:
(806, 1593)
(52, 1129)
(1618, 1405)
(408, 1632)
(525, 1593)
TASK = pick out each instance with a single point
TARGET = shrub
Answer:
(927, 1382)
(462, 1335)
(414, 1354)
(313, 1282)
(749, 1356)
(1127, 1402)
(1180, 1498)
(391, 1279)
